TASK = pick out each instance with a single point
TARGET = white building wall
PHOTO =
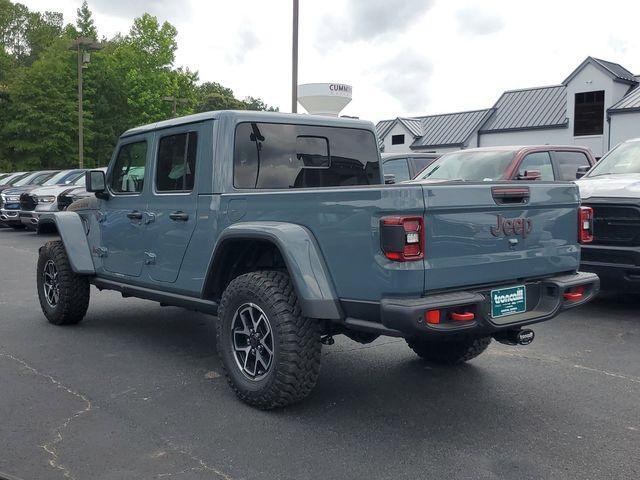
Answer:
(624, 126)
(556, 136)
(398, 129)
(591, 79)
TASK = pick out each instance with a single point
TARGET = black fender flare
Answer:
(302, 256)
(74, 238)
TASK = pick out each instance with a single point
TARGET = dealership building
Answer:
(597, 106)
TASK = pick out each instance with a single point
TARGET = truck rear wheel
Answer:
(63, 295)
(270, 352)
(449, 352)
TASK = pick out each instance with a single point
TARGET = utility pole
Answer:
(82, 45)
(294, 59)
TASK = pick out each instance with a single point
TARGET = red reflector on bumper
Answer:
(574, 294)
(462, 317)
(432, 316)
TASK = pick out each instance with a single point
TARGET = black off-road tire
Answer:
(73, 298)
(295, 363)
(449, 352)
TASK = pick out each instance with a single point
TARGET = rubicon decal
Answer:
(507, 227)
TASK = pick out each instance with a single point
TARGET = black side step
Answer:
(165, 298)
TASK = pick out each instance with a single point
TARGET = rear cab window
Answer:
(568, 163)
(285, 156)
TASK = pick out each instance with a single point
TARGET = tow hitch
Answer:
(515, 337)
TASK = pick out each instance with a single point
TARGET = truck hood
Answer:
(612, 185)
(51, 190)
(20, 190)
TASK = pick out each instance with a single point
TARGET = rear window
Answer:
(568, 163)
(473, 166)
(279, 156)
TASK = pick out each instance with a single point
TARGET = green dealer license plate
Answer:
(508, 301)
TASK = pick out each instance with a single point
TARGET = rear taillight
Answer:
(402, 238)
(585, 224)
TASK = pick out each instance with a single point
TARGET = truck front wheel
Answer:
(449, 352)
(270, 352)
(63, 295)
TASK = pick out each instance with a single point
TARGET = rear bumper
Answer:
(406, 316)
(617, 267)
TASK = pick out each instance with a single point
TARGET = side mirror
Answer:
(530, 175)
(95, 182)
(389, 179)
(582, 171)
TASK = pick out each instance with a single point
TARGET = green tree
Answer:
(41, 127)
(253, 103)
(84, 22)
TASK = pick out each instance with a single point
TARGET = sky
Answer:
(402, 57)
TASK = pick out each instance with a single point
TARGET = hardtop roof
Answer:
(238, 116)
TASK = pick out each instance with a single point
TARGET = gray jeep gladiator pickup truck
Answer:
(281, 225)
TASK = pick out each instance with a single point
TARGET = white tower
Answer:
(324, 98)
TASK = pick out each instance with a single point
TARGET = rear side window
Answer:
(568, 163)
(398, 168)
(278, 156)
(176, 165)
(127, 175)
(540, 161)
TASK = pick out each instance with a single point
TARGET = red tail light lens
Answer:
(585, 225)
(402, 238)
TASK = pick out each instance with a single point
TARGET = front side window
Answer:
(278, 156)
(589, 113)
(127, 175)
(568, 163)
(398, 168)
(471, 166)
(176, 165)
(540, 161)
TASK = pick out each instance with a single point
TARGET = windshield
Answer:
(63, 178)
(476, 165)
(12, 179)
(33, 179)
(625, 158)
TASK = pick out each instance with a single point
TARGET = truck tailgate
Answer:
(489, 233)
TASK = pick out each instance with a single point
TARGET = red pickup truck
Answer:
(543, 162)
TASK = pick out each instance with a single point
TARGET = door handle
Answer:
(179, 216)
(135, 215)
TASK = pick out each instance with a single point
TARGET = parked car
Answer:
(544, 162)
(399, 167)
(283, 228)
(10, 197)
(612, 190)
(36, 200)
(11, 178)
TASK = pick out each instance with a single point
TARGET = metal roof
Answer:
(450, 129)
(630, 102)
(614, 70)
(384, 127)
(413, 125)
(542, 107)
(618, 70)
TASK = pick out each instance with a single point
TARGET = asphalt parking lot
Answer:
(135, 392)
